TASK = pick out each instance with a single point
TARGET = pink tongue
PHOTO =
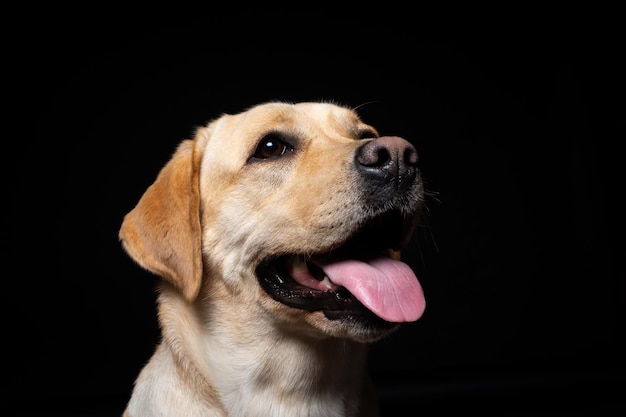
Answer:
(387, 287)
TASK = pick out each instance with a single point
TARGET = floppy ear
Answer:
(162, 233)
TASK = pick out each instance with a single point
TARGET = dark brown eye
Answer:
(271, 147)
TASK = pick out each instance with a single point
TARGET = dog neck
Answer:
(295, 373)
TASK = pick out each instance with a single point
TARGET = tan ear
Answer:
(162, 233)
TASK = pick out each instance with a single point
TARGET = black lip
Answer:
(335, 304)
(275, 279)
(383, 232)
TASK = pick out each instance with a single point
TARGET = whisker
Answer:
(365, 104)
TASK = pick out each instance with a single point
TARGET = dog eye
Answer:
(271, 147)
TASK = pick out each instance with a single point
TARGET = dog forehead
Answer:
(238, 134)
(297, 117)
(319, 111)
(332, 114)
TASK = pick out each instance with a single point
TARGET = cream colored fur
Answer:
(228, 349)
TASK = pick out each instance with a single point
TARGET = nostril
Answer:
(382, 157)
(392, 155)
(373, 154)
(410, 155)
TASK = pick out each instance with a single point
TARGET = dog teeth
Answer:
(326, 282)
(301, 273)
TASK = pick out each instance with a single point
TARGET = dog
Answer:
(276, 234)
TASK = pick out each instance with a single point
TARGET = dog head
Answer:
(296, 210)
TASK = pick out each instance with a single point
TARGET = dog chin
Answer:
(316, 325)
(357, 328)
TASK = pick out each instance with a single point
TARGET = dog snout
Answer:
(389, 161)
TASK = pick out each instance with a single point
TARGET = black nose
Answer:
(388, 161)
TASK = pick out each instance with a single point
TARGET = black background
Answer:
(518, 120)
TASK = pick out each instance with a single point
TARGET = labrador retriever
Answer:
(276, 234)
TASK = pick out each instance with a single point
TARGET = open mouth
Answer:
(357, 279)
